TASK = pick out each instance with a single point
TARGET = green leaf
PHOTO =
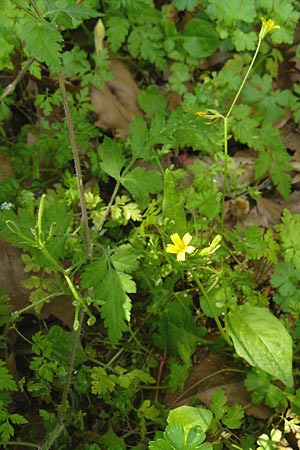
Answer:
(112, 159)
(116, 309)
(233, 11)
(94, 272)
(138, 137)
(182, 5)
(218, 403)
(189, 417)
(262, 389)
(17, 419)
(7, 382)
(151, 101)
(111, 440)
(262, 340)
(6, 431)
(234, 417)
(43, 42)
(140, 183)
(175, 435)
(116, 31)
(173, 206)
(200, 39)
(62, 342)
(68, 15)
(125, 258)
(244, 41)
(101, 382)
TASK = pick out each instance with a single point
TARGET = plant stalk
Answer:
(209, 303)
(70, 126)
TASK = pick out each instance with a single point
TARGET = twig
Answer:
(9, 89)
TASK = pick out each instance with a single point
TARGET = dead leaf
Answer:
(116, 104)
(11, 277)
(214, 372)
(5, 168)
(266, 213)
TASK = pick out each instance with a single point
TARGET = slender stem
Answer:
(244, 80)
(112, 199)
(209, 303)
(9, 89)
(225, 171)
(36, 9)
(225, 121)
(20, 443)
(107, 210)
(77, 165)
(202, 380)
(63, 407)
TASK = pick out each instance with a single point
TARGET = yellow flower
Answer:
(180, 246)
(267, 26)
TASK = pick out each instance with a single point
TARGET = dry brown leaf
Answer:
(116, 104)
(266, 213)
(11, 277)
(211, 373)
(5, 168)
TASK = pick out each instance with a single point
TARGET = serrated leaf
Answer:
(234, 416)
(181, 5)
(125, 258)
(151, 101)
(94, 273)
(112, 159)
(69, 15)
(116, 308)
(116, 30)
(262, 340)
(139, 133)
(17, 419)
(7, 382)
(43, 42)
(101, 382)
(172, 205)
(140, 183)
(62, 342)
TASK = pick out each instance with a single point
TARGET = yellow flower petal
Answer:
(267, 26)
(187, 238)
(180, 246)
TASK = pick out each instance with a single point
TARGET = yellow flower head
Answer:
(267, 26)
(180, 246)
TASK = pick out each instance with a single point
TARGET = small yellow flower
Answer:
(267, 26)
(180, 246)
(210, 114)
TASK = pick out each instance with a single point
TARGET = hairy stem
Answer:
(77, 165)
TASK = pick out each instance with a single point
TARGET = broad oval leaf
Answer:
(262, 340)
(189, 417)
(200, 38)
